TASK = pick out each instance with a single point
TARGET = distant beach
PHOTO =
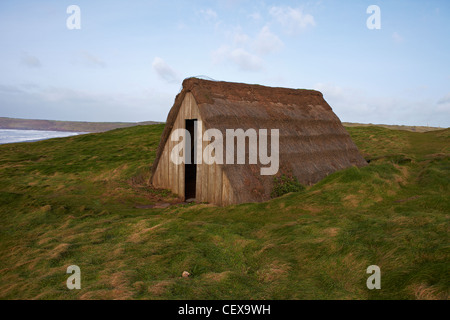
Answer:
(14, 135)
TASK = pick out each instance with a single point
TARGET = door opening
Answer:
(190, 169)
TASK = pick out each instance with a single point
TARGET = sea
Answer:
(13, 135)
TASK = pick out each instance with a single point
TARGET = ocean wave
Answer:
(14, 135)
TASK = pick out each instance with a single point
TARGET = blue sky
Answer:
(128, 60)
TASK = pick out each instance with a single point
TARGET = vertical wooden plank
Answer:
(200, 188)
(175, 166)
(224, 189)
(177, 181)
(193, 107)
(205, 182)
(231, 197)
(227, 193)
(157, 177)
(188, 100)
(218, 185)
(161, 170)
(182, 112)
(164, 173)
(169, 167)
(207, 172)
(165, 168)
(180, 171)
(206, 168)
(211, 182)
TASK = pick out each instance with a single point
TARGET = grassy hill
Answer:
(69, 126)
(80, 126)
(84, 200)
(393, 127)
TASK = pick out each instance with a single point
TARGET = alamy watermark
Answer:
(74, 20)
(374, 20)
(216, 152)
(374, 281)
(74, 281)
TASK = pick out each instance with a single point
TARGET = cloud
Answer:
(444, 103)
(266, 42)
(88, 60)
(255, 16)
(221, 54)
(60, 94)
(246, 52)
(91, 61)
(182, 26)
(240, 39)
(397, 38)
(445, 99)
(355, 105)
(208, 14)
(30, 61)
(9, 89)
(294, 21)
(32, 101)
(347, 101)
(164, 71)
(246, 61)
(240, 57)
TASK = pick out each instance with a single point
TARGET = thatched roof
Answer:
(313, 142)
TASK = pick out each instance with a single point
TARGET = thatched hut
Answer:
(312, 141)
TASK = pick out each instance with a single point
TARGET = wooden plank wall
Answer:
(212, 183)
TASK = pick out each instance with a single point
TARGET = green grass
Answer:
(285, 184)
(73, 201)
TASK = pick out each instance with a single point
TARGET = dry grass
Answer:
(315, 244)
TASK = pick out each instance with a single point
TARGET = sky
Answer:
(127, 59)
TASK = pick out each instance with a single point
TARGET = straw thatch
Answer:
(313, 142)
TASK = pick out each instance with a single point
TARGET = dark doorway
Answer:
(190, 167)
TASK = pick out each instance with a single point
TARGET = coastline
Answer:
(8, 136)
(65, 126)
